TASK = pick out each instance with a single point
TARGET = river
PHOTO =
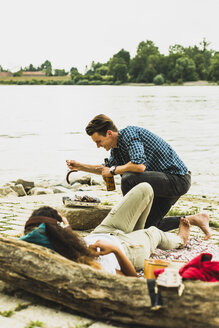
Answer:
(42, 126)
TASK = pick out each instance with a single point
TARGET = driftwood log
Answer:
(104, 296)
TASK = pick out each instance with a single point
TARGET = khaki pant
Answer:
(126, 221)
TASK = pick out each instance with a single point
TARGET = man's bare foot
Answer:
(184, 230)
(201, 220)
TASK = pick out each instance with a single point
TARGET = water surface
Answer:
(42, 126)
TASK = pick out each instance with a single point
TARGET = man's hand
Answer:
(73, 165)
(77, 166)
(106, 172)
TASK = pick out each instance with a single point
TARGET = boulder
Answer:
(81, 218)
(26, 184)
(60, 189)
(19, 189)
(97, 181)
(7, 191)
(80, 187)
(74, 177)
(40, 191)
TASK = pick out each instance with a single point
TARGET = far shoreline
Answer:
(188, 83)
(68, 82)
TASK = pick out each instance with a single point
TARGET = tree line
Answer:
(147, 66)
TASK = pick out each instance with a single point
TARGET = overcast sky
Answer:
(73, 33)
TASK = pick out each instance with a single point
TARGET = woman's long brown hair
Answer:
(64, 241)
(69, 244)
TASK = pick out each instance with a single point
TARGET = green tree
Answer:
(143, 65)
(120, 72)
(159, 79)
(31, 68)
(201, 57)
(185, 69)
(137, 66)
(47, 68)
(177, 49)
(214, 68)
(74, 71)
(147, 48)
(102, 70)
(18, 73)
(118, 69)
(60, 72)
(125, 55)
(75, 75)
(94, 67)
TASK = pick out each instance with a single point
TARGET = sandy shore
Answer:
(15, 211)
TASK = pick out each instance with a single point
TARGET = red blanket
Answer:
(199, 268)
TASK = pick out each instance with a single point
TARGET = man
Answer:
(139, 155)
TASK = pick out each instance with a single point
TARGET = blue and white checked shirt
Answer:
(141, 146)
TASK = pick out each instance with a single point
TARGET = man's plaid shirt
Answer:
(141, 146)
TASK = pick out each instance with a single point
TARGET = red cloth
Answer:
(158, 271)
(199, 268)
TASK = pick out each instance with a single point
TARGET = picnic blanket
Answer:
(194, 247)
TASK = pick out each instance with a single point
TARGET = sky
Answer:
(76, 32)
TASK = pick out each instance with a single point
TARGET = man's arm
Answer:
(120, 169)
(74, 165)
(126, 266)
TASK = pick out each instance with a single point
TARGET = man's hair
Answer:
(48, 212)
(101, 124)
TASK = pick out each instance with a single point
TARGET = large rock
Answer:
(59, 190)
(75, 177)
(81, 218)
(19, 189)
(40, 191)
(26, 184)
(7, 191)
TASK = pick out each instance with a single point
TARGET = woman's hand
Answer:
(65, 221)
(102, 247)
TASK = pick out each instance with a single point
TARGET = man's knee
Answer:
(127, 177)
(128, 182)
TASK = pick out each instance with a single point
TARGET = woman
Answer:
(118, 245)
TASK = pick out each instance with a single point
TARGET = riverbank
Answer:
(15, 210)
(66, 80)
(19, 309)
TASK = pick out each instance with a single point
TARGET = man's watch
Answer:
(112, 170)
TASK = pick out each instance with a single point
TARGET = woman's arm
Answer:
(127, 267)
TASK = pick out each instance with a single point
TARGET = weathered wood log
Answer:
(101, 295)
(81, 218)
